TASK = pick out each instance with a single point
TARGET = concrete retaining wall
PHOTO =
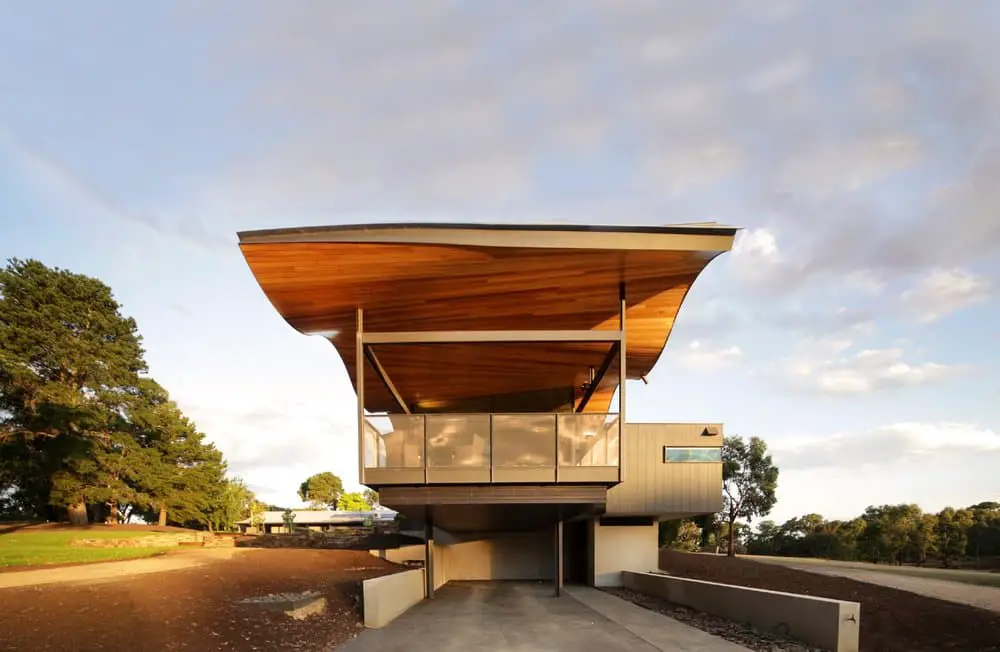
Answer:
(384, 598)
(829, 624)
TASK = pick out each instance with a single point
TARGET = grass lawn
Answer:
(35, 548)
(977, 577)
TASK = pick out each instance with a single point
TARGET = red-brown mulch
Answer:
(194, 609)
(891, 620)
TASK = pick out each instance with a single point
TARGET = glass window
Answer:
(705, 454)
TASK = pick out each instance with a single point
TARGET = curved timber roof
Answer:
(460, 277)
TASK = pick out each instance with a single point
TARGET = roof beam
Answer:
(453, 337)
(384, 377)
(599, 376)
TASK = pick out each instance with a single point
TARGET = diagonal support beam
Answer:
(384, 377)
(599, 376)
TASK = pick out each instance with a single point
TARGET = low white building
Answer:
(317, 520)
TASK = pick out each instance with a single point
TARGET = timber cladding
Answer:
(653, 487)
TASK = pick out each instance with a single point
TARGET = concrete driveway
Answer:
(527, 617)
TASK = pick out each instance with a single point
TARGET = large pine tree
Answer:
(82, 429)
(69, 360)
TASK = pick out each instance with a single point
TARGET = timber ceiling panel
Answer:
(317, 287)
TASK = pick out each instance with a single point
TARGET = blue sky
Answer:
(855, 326)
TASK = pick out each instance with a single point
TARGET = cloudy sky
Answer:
(855, 326)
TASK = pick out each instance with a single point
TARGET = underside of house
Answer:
(488, 363)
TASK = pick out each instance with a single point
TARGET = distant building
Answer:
(317, 520)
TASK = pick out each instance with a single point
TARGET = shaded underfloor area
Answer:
(527, 617)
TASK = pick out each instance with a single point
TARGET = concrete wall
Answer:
(829, 624)
(509, 557)
(618, 548)
(384, 598)
(652, 487)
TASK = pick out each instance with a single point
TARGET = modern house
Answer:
(489, 362)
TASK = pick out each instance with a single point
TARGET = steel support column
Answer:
(359, 381)
(429, 553)
(622, 379)
(559, 557)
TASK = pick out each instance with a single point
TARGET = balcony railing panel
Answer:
(524, 448)
(458, 448)
(394, 448)
(588, 447)
(484, 448)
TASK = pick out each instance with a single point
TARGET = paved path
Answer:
(115, 570)
(526, 617)
(984, 597)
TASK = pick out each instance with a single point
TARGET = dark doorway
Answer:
(575, 552)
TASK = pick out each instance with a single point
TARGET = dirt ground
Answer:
(891, 620)
(984, 597)
(193, 609)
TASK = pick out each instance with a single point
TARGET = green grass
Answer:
(36, 548)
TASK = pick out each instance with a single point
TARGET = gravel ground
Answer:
(891, 620)
(741, 633)
(195, 608)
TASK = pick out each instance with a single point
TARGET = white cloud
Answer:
(436, 110)
(866, 371)
(944, 291)
(680, 169)
(838, 166)
(839, 474)
(63, 187)
(707, 358)
(883, 446)
(758, 260)
(759, 244)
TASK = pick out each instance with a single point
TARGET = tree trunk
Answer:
(732, 539)
(163, 516)
(77, 514)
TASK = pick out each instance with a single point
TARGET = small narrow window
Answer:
(703, 454)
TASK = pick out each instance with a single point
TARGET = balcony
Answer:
(532, 448)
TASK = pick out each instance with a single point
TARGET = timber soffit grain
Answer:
(423, 277)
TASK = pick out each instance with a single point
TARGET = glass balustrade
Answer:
(485, 448)
(458, 448)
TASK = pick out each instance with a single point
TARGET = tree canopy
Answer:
(749, 482)
(894, 534)
(353, 502)
(322, 490)
(84, 431)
